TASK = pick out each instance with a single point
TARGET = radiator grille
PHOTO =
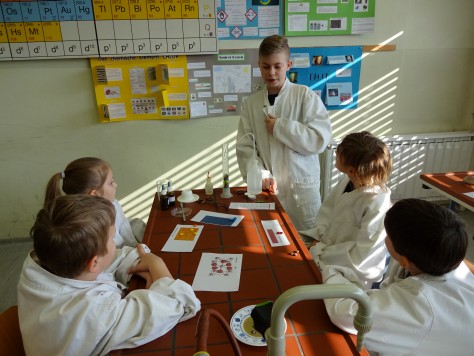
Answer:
(412, 156)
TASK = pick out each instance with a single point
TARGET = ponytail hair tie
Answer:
(63, 175)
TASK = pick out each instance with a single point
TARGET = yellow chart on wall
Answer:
(141, 88)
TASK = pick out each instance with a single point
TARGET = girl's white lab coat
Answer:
(62, 316)
(124, 234)
(351, 232)
(290, 155)
(414, 315)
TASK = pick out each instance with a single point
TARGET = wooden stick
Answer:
(378, 48)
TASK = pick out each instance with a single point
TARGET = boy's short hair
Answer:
(368, 155)
(71, 230)
(274, 44)
(431, 236)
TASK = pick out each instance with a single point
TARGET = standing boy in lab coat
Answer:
(291, 127)
(425, 305)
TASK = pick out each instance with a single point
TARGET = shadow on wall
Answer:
(190, 174)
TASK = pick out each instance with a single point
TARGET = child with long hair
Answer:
(94, 176)
(349, 228)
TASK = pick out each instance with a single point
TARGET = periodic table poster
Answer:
(106, 28)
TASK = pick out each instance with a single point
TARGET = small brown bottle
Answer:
(163, 198)
(171, 195)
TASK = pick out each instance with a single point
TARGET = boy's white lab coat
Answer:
(415, 315)
(290, 155)
(61, 316)
(351, 232)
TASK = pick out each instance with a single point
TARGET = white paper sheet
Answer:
(210, 217)
(183, 238)
(218, 272)
(252, 206)
(275, 233)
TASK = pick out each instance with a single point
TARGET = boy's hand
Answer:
(151, 267)
(147, 277)
(270, 123)
(269, 184)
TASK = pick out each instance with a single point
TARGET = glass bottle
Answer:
(171, 195)
(163, 198)
(208, 188)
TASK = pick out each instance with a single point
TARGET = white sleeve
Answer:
(401, 314)
(125, 258)
(123, 230)
(311, 132)
(244, 145)
(146, 314)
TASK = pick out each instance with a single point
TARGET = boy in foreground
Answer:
(424, 306)
(71, 289)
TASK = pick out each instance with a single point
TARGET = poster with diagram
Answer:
(329, 17)
(141, 88)
(332, 72)
(218, 84)
(248, 19)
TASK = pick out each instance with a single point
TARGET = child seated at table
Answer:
(349, 228)
(424, 305)
(71, 293)
(94, 176)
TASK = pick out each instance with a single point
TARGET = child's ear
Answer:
(94, 193)
(93, 265)
(404, 262)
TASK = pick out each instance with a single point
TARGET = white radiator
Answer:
(412, 156)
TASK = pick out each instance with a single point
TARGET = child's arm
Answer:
(309, 132)
(151, 264)
(396, 329)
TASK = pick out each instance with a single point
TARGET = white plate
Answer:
(191, 199)
(241, 325)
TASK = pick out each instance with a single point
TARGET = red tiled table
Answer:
(452, 186)
(266, 273)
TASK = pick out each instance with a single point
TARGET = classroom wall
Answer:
(48, 114)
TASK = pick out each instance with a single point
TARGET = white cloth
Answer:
(61, 316)
(351, 232)
(124, 235)
(290, 155)
(415, 315)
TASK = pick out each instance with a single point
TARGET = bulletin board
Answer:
(332, 72)
(141, 88)
(329, 17)
(104, 28)
(248, 19)
(218, 84)
(183, 87)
